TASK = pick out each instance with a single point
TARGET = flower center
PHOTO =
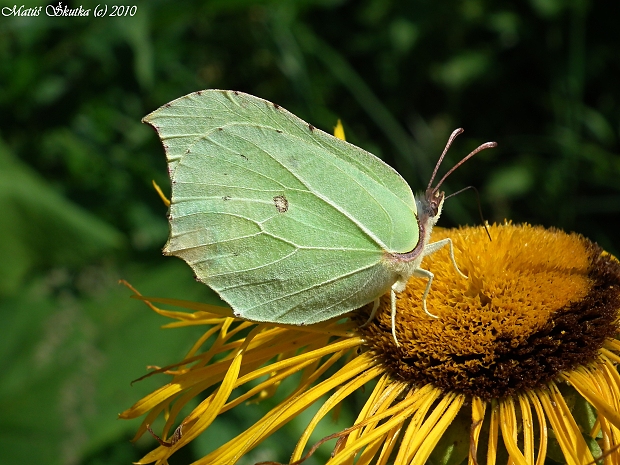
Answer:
(536, 302)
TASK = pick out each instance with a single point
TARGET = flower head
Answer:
(519, 346)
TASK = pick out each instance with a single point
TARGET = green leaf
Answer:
(453, 446)
(67, 360)
(41, 228)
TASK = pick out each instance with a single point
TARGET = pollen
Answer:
(536, 302)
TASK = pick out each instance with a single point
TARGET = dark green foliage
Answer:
(76, 164)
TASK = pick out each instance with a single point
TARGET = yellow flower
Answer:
(519, 347)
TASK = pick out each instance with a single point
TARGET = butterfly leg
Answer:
(398, 286)
(393, 296)
(375, 306)
(422, 273)
(435, 246)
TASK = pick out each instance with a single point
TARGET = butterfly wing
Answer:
(287, 223)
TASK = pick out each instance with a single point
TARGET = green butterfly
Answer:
(287, 223)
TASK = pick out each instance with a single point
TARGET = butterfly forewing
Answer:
(285, 222)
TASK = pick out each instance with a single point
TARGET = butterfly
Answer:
(289, 224)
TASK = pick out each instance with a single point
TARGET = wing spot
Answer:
(276, 106)
(281, 203)
(199, 92)
(312, 128)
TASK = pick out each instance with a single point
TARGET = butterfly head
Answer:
(434, 201)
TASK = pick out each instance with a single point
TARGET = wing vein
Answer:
(328, 201)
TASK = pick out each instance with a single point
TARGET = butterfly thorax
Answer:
(429, 208)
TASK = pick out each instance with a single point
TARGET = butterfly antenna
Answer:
(484, 223)
(486, 145)
(455, 133)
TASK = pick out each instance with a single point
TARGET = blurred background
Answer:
(78, 212)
